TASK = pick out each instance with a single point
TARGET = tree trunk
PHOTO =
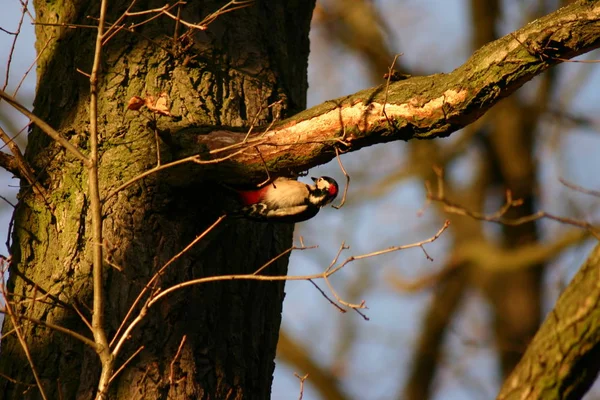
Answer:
(227, 75)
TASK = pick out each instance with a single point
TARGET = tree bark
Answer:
(563, 359)
(226, 75)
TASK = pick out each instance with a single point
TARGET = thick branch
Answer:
(563, 360)
(421, 107)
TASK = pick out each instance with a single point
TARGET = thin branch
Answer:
(103, 348)
(498, 216)
(343, 201)
(229, 7)
(578, 188)
(195, 159)
(159, 294)
(150, 284)
(302, 379)
(57, 328)
(172, 365)
(23, 343)
(150, 172)
(25, 170)
(326, 274)
(33, 64)
(122, 367)
(16, 382)
(333, 303)
(283, 253)
(117, 27)
(14, 43)
(343, 302)
(177, 22)
(47, 129)
(387, 85)
(9, 203)
(83, 318)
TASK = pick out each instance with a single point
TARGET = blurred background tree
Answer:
(453, 328)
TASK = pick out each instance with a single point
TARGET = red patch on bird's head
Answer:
(333, 189)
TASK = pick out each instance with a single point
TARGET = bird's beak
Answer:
(314, 179)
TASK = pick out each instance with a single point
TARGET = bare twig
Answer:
(229, 7)
(13, 44)
(8, 202)
(118, 25)
(283, 253)
(150, 172)
(333, 303)
(337, 256)
(23, 343)
(268, 179)
(33, 64)
(498, 216)
(25, 170)
(578, 188)
(159, 294)
(122, 367)
(47, 129)
(16, 382)
(177, 23)
(257, 116)
(103, 349)
(387, 85)
(175, 359)
(83, 318)
(302, 379)
(57, 328)
(328, 272)
(120, 340)
(195, 159)
(343, 201)
(341, 301)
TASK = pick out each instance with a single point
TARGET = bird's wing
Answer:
(286, 194)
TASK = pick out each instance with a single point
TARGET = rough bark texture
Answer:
(227, 75)
(563, 359)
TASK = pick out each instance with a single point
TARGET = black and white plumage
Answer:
(287, 200)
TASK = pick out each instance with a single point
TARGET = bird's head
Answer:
(324, 192)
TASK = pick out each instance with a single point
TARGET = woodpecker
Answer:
(287, 200)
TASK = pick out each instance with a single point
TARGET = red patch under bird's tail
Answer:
(248, 197)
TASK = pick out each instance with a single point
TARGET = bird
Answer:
(286, 200)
